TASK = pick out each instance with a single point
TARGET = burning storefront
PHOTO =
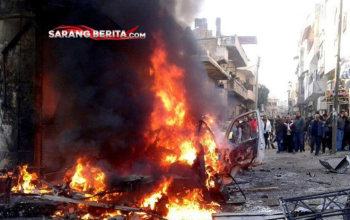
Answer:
(102, 123)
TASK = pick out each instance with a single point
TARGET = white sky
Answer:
(277, 25)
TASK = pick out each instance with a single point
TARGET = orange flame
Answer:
(87, 178)
(151, 200)
(190, 207)
(175, 132)
(211, 157)
(170, 109)
(25, 181)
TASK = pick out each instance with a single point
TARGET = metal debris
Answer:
(318, 206)
(340, 168)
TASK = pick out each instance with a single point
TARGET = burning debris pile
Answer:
(83, 194)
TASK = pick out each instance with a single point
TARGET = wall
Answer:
(345, 40)
(17, 85)
(331, 19)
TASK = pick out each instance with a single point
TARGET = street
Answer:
(294, 175)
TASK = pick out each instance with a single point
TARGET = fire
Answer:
(175, 131)
(189, 207)
(188, 152)
(170, 110)
(58, 214)
(171, 97)
(25, 181)
(211, 157)
(151, 200)
(210, 119)
(87, 178)
(87, 216)
(170, 159)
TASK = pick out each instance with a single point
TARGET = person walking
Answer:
(306, 136)
(288, 135)
(279, 133)
(298, 129)
(340, 133)
(316, 132)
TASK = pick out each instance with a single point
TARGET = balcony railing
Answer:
(238, 88)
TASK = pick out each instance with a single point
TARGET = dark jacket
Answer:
(341, 123)
(299, 124)
(328, 124)
(246, 129)
(279, 126)
(347, 129)
(320, 128)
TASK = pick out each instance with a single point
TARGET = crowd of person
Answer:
(291, 134)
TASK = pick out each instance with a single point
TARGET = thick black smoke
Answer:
(105, 101)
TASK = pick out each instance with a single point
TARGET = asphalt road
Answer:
(295, 175)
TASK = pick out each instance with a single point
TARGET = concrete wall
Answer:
(345, 40)
(330, 29)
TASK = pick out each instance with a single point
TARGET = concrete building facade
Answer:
(316, 58)
(228, 66)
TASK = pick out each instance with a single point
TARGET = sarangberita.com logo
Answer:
(81, 31)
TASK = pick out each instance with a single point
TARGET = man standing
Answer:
(328, 130)
(236, 133)
(298, 129)
(279, 133)
(287, 135)
(246, 130)
(325, 129)
(266, 131)
(316, 132)
(346, 134)
(341, 125)
(254, 127)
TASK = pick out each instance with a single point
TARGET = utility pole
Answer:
(336, 85)
(290, 112)
(257, 84)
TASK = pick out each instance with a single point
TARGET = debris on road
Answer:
(320, 182)
(340, 168)
(329, 204)
(242, 216)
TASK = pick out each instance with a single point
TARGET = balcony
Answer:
(235, 51)
(248, 71)
(238, 88)
(221, 55)
(315, 90)
(251, 95)
(213, 69)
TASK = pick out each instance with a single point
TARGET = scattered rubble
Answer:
(340, 168)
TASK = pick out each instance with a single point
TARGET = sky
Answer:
(277, 25)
